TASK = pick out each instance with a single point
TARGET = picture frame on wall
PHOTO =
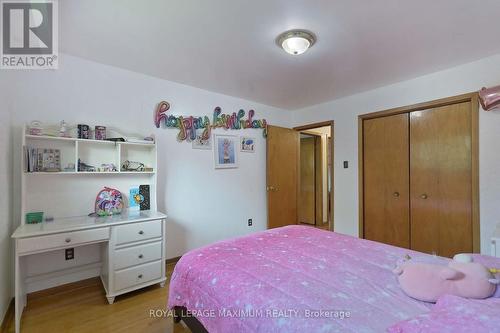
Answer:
(247, 144)
(226, 151)
(199, 143)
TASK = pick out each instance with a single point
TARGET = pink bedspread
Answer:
(453, 314)
(294, 279)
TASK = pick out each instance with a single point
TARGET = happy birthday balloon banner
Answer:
(189, 125)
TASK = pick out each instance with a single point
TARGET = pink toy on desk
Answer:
(428, 282)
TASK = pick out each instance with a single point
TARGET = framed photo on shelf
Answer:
(199, 143)
(247, 144)
(226, 151)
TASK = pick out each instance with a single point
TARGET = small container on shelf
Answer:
(35, 128)
(83, 131)
(100, 133)
(64, 130)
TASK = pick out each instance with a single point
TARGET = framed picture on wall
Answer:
(247, 145)
(226, 151)
(199, 143)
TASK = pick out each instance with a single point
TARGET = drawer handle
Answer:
(141, 256)
(67, 240)
(140, 276)
(141, 232)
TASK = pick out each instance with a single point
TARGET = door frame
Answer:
(330, 123)
(473, 98)
(315, 137)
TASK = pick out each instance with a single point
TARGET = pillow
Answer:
(454, 314)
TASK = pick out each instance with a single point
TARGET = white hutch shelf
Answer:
(73, 192)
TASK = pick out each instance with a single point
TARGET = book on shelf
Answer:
(42, 160)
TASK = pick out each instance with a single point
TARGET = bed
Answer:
(297, 279)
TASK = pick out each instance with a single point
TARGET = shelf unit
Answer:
(73, 194)
(101, 151)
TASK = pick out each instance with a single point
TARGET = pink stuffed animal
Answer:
(428, 282)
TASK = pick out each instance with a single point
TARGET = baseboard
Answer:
(64, 276)
(8, 318)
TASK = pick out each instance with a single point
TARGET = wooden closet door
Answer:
(386, 180)
(441, 180)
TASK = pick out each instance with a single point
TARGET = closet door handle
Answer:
(424, 196)
(395, 194)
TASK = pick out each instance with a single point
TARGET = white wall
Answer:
(462, 79)
(5, 201)
(203, 204)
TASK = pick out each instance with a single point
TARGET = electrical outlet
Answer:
(69, 254)
(250, 222)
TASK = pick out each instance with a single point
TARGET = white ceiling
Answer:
(228, 46)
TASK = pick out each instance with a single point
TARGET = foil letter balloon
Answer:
(490, 98)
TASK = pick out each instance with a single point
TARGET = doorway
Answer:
(315, 195)
(283, 168)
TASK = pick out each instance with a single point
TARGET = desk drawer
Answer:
(67, 239)
(134, 276)
(137, 255)
(138, 231)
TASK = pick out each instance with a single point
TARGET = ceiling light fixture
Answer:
(296, 41)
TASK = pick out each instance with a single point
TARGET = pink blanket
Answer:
(453, 314)
(294, 279)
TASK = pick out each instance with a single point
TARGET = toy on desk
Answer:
(34, 218)
(109, 201)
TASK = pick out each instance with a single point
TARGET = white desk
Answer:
(133, 251)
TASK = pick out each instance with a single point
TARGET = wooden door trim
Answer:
(315, 125)
(422, 106)
(473, 98)
(476, 225)
(330, 123)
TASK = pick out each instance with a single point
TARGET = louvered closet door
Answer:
(386, 180)
(441, 180)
